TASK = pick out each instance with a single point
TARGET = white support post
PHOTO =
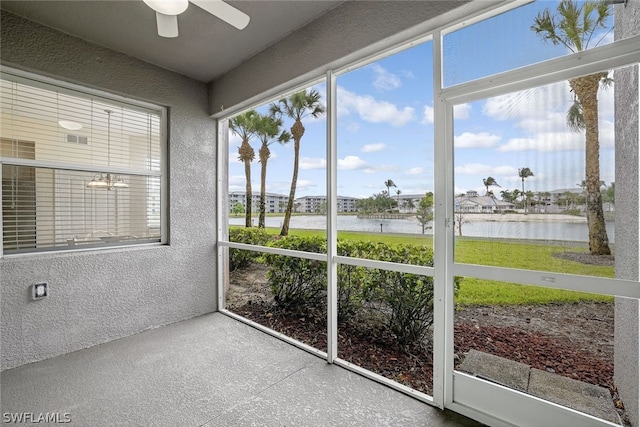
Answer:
(222, 266)
(443, 237)
(332, 221)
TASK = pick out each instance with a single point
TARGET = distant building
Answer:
(274, 203)
(315, 204)
(408, 203)
(277, 203)
(471, 202)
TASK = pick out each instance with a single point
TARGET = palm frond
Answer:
(575, 118)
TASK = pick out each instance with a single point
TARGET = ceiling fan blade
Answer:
(167, 25)
(224, 11)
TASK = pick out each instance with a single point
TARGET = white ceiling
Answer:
(207, 46)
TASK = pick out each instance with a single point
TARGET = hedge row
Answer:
(404, 301)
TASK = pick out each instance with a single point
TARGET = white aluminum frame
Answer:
(473, 396)
(463, 393)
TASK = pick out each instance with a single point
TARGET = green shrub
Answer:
(352, 280)
(240, 258)
(297, 283)
(403, 301)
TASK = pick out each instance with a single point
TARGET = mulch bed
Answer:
(412, 366)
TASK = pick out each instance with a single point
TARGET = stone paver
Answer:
(574, 394)
(503, 371)
(578, 395)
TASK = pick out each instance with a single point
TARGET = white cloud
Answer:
(384, 80)
(312, 163)
(552, 122)
(476, 140)
(606, 102)
(427, 116)
(546, 141)
(372, 110)
(303, 184)
(236, 179)
(356, 163)
(368, 148)
(561, 141)
(415, 171)
(462, 111)
(532, 103)
(234, 140)
(352, 163)
(481, 169)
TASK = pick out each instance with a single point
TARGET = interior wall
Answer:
(627, 252)
(100, 295)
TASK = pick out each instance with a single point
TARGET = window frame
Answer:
(44, 82)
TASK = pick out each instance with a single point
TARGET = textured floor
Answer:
(208, 371)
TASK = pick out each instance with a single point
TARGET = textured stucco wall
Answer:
(346, 29)
(627, 319)
(98, 296)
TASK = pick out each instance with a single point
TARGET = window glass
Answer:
(510, 40)
(385, 152)
(527, 337)
(535, 178)
(77, 170)
(273, 156)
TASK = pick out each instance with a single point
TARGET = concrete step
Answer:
(584, 397)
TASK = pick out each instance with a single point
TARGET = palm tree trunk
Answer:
(297, 130)
(248, 194)
(292, 191)
(246, 155)
(264, 157)
(586, 89)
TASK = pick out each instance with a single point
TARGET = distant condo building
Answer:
(313, 204)
(277, 203)
(274, 203)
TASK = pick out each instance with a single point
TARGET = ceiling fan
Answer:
(167, 12)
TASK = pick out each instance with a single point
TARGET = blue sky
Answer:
(385, 122)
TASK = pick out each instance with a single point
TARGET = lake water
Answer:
(551, 230)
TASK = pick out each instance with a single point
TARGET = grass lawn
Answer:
(524, 255)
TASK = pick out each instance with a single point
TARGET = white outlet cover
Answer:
(40, 291)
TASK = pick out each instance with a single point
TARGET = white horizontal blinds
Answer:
(18, 208)
(48, 209)
(77, 170)
(79, 129)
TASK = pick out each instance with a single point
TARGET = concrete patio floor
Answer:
(207, 371)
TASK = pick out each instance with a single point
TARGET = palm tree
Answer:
(243, 125)
(524, 173)
(398, 192)
(574, 28)
(296, 107)
(267, 129)
(515, 194)
(488, 182)
(389, 183)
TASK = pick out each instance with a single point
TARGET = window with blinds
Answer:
(78, 170)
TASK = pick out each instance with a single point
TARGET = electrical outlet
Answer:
(40, 291)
